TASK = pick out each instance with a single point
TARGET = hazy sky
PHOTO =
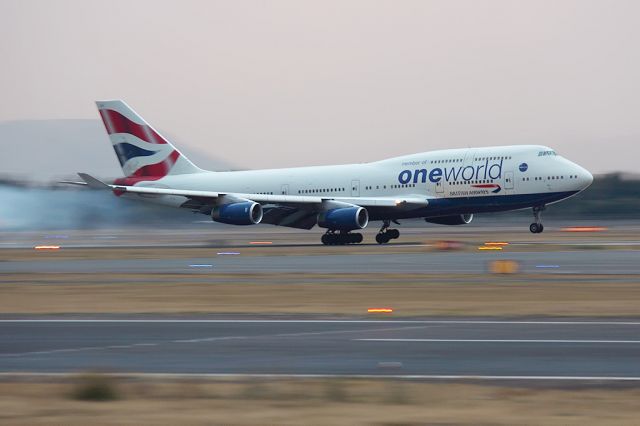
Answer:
(284, 83)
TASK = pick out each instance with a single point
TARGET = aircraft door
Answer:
(440, 187)
(355, 188)
(285, 190)
(508, 180)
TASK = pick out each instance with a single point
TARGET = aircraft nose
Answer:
(588, 178)
(585, 178)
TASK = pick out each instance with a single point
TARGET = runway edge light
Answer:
(380, 310)
(584, 229)
(47, 248)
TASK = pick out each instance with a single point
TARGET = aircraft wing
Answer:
(298, 211)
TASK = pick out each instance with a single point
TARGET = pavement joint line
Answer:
(53, 351)
(445, 377)
(210, 339)
(308, 333)
(316, 321)
(500, 341)
(200, 340)
(315, 333)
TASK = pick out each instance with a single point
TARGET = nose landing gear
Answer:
(332, 238)
(386, 234)
(537, 227)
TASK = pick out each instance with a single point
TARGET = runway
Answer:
(384, 261)
(431, 347)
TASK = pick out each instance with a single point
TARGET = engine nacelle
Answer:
(344, 218)
(459, 219)
(242, 213)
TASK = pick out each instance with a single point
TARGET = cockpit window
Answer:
(546, 153)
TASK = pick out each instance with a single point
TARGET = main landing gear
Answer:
(332, 238)
(537, 226)
(386, 234)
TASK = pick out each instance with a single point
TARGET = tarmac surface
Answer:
(583, 349)
(574, 262)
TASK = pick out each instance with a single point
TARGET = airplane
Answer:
(444, 187)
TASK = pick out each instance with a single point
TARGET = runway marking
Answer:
(443, 377)
(499, 341)
(313, 321)
(299, 334)
(208, 339)
(200, 340)
(53, 351)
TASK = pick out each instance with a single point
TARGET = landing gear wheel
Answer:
(382, 238)
(537, 227)
(332, 238)
(386, 234)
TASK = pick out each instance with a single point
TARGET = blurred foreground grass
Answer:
(313, 402)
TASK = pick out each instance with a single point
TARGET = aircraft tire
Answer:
(536, 228)
(393, 233)
(382, 238)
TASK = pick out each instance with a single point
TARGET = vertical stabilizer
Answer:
(142, 152)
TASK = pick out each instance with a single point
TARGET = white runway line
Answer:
(310, 321)
(499, 341)
(445, 377)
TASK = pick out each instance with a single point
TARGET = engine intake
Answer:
(344, 218)
(242, 213)
(459, 219)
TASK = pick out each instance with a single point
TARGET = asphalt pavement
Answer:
(434, 347)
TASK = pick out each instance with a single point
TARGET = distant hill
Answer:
(45, 150)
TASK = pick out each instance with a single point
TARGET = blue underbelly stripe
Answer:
(465, 205)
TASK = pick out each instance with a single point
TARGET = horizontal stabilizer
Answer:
(72, 182)
(93, 182)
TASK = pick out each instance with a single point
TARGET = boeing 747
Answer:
(445, 187)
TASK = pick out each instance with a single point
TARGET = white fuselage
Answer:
(468, 180)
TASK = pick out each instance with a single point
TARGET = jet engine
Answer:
(459, 219)
(344, 218)
(241, 213)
